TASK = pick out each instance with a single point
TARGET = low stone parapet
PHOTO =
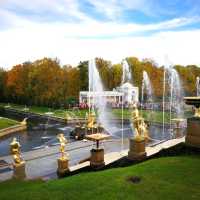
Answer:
(12, 129)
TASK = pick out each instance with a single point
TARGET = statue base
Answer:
(136, 149)
(193, 132)
(19, 171)
(63, 167)
(97, 158)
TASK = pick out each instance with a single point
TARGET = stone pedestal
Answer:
(63, 167)
(136, 149)
(193, 132)
(19, 171)
(97, 158)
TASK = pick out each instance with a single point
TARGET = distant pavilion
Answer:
(125, 94)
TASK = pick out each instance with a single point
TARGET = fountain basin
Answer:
(97, 137)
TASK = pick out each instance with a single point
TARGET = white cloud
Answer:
(17, 47)
(71, 42)
(89, 28)
(65, 8)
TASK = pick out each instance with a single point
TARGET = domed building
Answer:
(130, 93)
(124, 94)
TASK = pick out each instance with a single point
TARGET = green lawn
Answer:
(5, 123)
(169, 178)
(155, 116)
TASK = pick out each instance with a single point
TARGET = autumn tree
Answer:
(46, 82)
(2, 84)
(115, 75)
(104, 68)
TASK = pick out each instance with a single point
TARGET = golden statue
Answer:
(67, 116)
(91, 120)
(15, 151)
(197, 112)
(135, 112)
(24, 122)
(63, 142)
(143, 129)
(140, 126)
(136, 119)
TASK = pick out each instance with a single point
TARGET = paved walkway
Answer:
(43, 162)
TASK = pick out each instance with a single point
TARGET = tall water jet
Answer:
(146, 88)
(126, 72)
(126, 78)
(176, 99)
(96, 94)
(198, 86)
(165, 70)
(163, 101)
(176, 94)
(147, 92)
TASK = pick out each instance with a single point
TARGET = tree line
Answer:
(45, 82)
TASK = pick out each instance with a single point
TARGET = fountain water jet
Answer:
(96, 91)
(198, 86)
(176, 100)
(126, 72)
(146, 87)
(126, 78)
(176, 93)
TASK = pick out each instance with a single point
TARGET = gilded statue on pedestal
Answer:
(139, 124)
(15, 151)
(63, 142)
(135, 112)
(91, 120)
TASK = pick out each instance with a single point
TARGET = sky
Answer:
(78, 30)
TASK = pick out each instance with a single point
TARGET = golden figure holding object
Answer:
(15, 151)
(63, 142)
(19, 163)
